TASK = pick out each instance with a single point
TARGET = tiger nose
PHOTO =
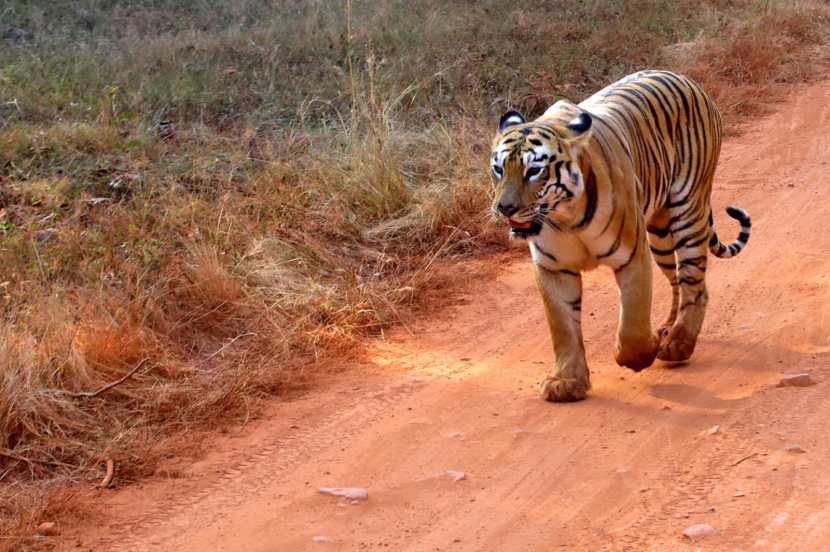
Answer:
(507, 209)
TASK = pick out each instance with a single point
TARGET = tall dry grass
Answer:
(751, 62)
(314, 181)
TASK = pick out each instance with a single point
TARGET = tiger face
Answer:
(535, 171)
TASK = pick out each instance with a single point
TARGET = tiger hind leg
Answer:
(677, 341)
(661, 243)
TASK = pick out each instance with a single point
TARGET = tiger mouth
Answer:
(525, 229)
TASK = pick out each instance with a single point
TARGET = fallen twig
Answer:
(747, 457)
(107, 480)
(107, 387)
(225, 346)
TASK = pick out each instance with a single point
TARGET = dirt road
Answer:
(627, 469)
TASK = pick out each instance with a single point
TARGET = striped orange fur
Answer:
(627, 171)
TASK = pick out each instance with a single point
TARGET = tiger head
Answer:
(535, 171)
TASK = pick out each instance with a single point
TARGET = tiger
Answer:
(627, 171)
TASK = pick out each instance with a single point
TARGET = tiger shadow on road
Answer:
(723, 373)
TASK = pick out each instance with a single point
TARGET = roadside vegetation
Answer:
(214, 198)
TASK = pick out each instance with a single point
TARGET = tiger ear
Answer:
(579, 130)
(509, 119)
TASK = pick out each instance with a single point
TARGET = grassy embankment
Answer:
(325, 155)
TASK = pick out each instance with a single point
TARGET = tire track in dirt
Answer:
(246, 477)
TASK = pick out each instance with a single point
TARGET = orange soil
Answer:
(627, 469)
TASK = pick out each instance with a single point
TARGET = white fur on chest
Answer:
(558, 250)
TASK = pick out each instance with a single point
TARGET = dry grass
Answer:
(314, 181)
(749, 63)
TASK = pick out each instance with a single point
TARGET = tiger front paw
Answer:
(637, 357)
(556, 389)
